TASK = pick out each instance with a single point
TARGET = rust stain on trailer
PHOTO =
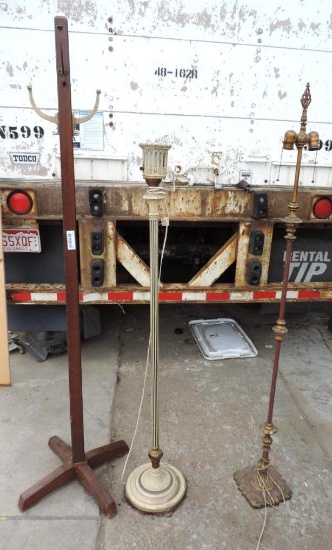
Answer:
(315, 26)
(236, 202)
(143, 7)
(110, 253)
(200, 203)
(283, 24)
(78, 10)
(244, 14)
(200, 19)
(242, 254)
(203, 19)
(137, 204)
(85, 253)
(9, 69)
(236, 16)
(187, 203)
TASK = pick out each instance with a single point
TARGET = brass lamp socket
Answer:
(289, 140)
(313, 141)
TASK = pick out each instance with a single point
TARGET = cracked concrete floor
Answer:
(210, 413)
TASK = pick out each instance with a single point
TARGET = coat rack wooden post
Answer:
(77, 463)
(4, 351)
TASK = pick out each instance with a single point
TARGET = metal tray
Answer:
(221, 339)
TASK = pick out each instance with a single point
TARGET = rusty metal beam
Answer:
(265, 258)
(217, 265)
(110, 252)
(242, 254)
(197, 203)
(132, 262)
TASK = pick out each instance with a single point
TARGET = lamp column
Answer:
(157, 487)
(262, 484)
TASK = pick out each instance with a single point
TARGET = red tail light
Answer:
(19, 202)
(322, 208)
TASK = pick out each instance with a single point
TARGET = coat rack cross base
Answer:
(83, 471)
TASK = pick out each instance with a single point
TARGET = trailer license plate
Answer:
(21, 240)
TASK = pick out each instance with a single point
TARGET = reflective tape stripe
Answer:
(246, 296)
(264, 294)
(216, 296)
(44, 296)
(309, 294)
(169, 296)
(141, 296)
(119, 296)
(197, 296)
(21, 297)
(94, 296)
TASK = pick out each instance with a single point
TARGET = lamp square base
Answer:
(246, 480)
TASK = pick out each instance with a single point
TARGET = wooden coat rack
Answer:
(76, 462)
(4, 352)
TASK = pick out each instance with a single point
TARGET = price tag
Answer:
(71, 241)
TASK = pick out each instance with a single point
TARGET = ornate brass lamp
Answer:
(262, 483)
(157, 487)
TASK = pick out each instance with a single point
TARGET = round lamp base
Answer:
(155, 490)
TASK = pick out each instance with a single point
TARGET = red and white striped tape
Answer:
(137, 296)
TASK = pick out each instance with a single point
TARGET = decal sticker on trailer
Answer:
(89, 135)
(25, 158)
(305, 265)
(310, 260)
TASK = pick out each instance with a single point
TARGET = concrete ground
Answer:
(210, 413)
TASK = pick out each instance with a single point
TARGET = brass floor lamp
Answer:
(157, 487)
(262, 484)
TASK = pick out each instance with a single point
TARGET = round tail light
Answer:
(19, 202)
(323, 208)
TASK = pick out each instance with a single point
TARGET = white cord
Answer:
(264, 523)
(121, 307)
(166, 224)
(139, 411)
(265, 490)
